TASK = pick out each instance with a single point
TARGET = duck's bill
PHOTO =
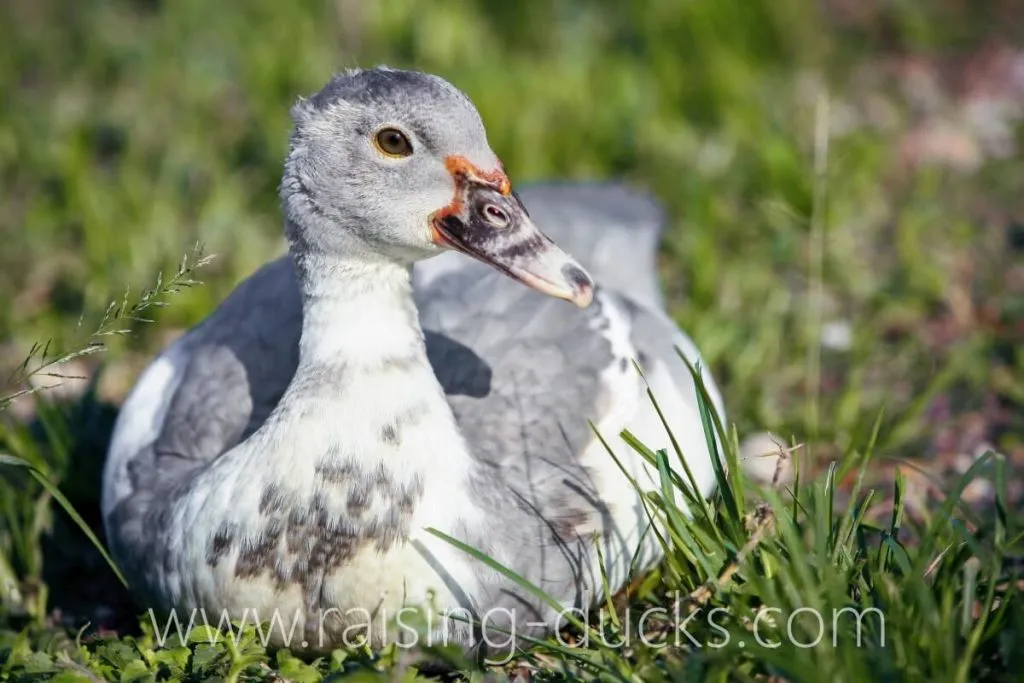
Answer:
(493, 227)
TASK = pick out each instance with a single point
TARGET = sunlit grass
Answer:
(764, 581)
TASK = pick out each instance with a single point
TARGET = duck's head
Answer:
(397, 164)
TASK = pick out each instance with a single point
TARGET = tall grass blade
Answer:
(53, 490)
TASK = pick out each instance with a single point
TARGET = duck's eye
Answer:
(393, 142)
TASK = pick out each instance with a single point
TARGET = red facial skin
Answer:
(464, 172)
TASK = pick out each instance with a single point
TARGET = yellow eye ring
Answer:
(392, 142)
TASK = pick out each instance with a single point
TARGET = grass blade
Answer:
(53, 490)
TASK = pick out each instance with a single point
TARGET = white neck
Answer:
(364, 391)
(356, 311)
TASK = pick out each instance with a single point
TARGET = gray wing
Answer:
(238, 364)
(519, 367)
(523, 371)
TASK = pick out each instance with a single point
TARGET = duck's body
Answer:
(289, 454)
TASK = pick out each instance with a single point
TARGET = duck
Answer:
(438, 363)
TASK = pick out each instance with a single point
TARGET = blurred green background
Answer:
(843, 177)
(843, 181)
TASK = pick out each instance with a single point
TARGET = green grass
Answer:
(782, 141)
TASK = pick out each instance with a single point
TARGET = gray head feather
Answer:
(341, 194)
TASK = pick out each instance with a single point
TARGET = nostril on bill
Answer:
(495, 216)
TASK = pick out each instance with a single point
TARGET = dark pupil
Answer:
(393, 141)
